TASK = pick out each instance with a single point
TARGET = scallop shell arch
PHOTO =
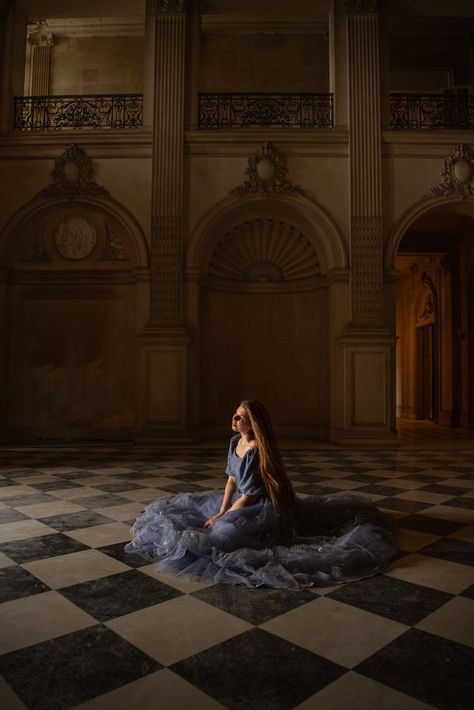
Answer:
(264, 250)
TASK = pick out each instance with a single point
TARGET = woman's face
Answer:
(241, 421)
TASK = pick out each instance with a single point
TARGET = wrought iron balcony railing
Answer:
(423, 111)
(45, 113)
(265, 110)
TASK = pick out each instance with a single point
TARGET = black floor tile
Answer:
(118, 594)
(74, 668)
(16, 582)
(117, 487)
(469, 592)
(445, 490)
(380, 490)
(452, 550)
(253, 605)
(60, 484)
(316, 490)
(366, 478)
(462, 503)
(75, 521)
(9, 515)
(118, 553)
(258, 670)
(433, 526)
(39, 548)
(33, 499)
(105, 501)
(398, 600)
(427, 667)
(410, 506)
(308, 478)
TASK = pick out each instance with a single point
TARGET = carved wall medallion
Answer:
(75, 238)
(457, 174)
(264, 250)
(267, 173)
(73, 176)
(114, 248)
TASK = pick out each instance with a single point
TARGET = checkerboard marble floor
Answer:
(84, 625)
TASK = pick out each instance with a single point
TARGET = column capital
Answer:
(170, 7)
(358, 7)
(40, 35)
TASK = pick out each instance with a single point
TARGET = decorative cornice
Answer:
(96, 27)
(73, 176)
(457, 174)
(267, 173)
(40, 34)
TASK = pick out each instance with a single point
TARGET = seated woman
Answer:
(259, 533)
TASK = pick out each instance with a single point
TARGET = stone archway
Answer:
(70, 284)
(432, 248)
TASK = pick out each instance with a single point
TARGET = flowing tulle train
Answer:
(323, 540)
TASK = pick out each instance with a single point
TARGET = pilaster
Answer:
(163, 343)
(41, 40)
(369, 393)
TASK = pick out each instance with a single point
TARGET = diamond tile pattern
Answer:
(104, 641)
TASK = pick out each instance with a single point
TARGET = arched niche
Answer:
(70, 277)
(263, 312)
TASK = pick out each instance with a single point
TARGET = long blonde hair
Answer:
(272, 468)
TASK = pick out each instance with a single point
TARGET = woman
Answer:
(259, 533)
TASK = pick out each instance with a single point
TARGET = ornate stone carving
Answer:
(163, 7)
(40, 35)
(353, 7)
(36, 250)
(366, 275)
(457, 174)
(264, 250)
(166, 268)
(114, 248)
(75, 238)
(267, 173)
(73, 176)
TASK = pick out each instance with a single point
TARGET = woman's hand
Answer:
(209, 523)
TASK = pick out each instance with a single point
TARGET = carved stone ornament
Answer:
(75, 238)
(264, 250)
(40, 35)
(164, 7)
(354, 7)
(457, 174)
(73, 176)
(114, 248)
(267, 173)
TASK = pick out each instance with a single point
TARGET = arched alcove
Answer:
(70, 292)
(262, 318)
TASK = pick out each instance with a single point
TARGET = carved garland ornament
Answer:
(267, 173)
(352, 7)
(40, 35)
(163, 7)
(458, 174)
(73, 176)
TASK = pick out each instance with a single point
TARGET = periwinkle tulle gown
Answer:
(323, 540)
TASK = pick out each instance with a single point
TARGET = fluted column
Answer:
(41, 39)
(365, 162)
(167, 184)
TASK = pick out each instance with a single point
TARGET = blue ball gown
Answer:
(321, 540)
